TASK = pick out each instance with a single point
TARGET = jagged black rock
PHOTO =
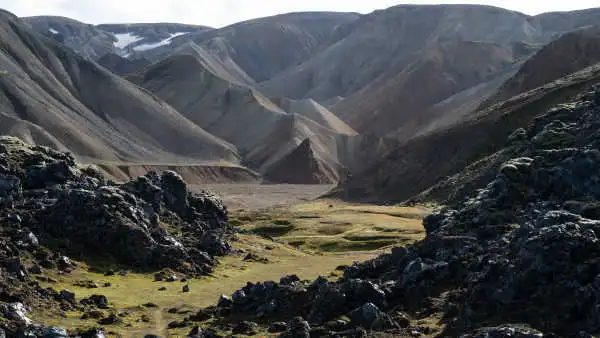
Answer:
(51, 206)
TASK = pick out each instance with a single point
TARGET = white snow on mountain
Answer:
(125, 39)
(148, 46)
(53, 31)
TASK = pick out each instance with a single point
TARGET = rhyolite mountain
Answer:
(85, 39)
(225, 103)
(343, 90)
(447, 163)
(49, 95)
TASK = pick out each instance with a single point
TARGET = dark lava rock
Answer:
(176, 324)
(198, 332)
(93, 333)
(36, 270)
(203, 315)
(369, 316)
(110, 320)
(55, 332)
(67, 295)
(224, 302)
(297, 328)
(16, 312)
(99, 301)
(52, 208)
(288, 280)
(278, 327)
(246, 328)
(65, 264)
(505, 331)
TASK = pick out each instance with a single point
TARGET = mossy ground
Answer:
(332, 226)
(326, 235)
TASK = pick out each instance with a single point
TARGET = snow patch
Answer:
(53, 31)
(126, 39)
(148, 46)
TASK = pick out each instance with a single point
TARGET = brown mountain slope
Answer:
(204, 90)
(394, 37)
(302, 165)
(571, 52)
(311, 109)
(264, 131)
(66, 100)
(405, 97)
(424, 161)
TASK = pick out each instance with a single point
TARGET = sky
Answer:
(219, 13)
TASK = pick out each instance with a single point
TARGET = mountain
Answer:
(50, 95)
(569, 53)
(87, 40)
(459, 157)
(342, 91)
(224, 103)
(428, 54)
(368, 47)
(303, 165)
(406, 99)
(133, 40)
(298, 37)
(431, 162)
(138, 40)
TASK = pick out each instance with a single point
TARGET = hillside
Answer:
(571, 52)
(405, 99)
(353, 87)
(298, 37)
(368, 47)
(432, 159)
(139, 40)
(225, 103)
(56, 97)
(86, 40)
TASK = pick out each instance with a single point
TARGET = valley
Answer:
(322, 252)
(415, 171)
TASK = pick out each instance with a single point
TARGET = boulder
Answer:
(297, 328)
(369, 316)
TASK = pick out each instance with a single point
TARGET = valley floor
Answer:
(253, 196)
(306, 238)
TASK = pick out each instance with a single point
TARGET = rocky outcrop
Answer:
(75, 210)
(503, 255)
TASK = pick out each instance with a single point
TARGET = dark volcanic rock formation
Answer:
(75, 210)
(524, 249)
